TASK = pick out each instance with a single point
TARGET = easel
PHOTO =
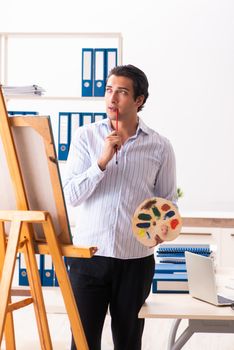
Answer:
(22, 237)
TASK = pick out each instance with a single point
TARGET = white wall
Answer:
(186, 47)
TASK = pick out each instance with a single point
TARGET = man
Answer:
(106, 194)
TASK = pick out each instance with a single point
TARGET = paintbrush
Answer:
(116, 128)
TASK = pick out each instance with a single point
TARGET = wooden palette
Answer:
(156, 216)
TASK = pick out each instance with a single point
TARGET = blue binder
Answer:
(99, 72)
(111, 60)
(64, 135)
(23, 277)
(47, 271)
(76, 122)
(86, 118)
(87, 72)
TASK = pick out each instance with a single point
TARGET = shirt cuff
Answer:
(95, 173)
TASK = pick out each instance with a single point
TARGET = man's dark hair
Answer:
(138, 77)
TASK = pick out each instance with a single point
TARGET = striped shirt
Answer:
(106, 200)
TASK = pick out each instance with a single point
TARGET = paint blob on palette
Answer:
(156, 217)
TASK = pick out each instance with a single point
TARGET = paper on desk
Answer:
(225, 283)
(230, 284)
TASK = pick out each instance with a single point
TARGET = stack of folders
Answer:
(170, 272)
(45, 269)
(68, 123)
(29, 90)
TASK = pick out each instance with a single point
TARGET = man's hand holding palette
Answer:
(156, 219)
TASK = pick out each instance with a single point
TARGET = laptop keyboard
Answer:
(223, 300)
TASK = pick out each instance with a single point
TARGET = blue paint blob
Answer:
(143, 225)
(169, 214)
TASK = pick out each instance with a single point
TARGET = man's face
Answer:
(120, 95)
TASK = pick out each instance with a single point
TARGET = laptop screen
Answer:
(201, 277)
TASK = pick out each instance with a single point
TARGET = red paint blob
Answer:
(165, 207)
(174, 223)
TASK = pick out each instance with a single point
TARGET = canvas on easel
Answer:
(33, 204)
(37, 160)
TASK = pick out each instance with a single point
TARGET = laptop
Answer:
(201, 280)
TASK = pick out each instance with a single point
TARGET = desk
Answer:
(202, 317)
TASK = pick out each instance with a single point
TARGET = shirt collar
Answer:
(141, 126)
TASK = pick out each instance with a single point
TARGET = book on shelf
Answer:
(170, 283)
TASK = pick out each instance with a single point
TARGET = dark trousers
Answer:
(123, 285)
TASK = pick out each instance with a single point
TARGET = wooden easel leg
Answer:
(36, 292)
(7, 274)
(65, 286)
(9, 332)
(9, 324)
